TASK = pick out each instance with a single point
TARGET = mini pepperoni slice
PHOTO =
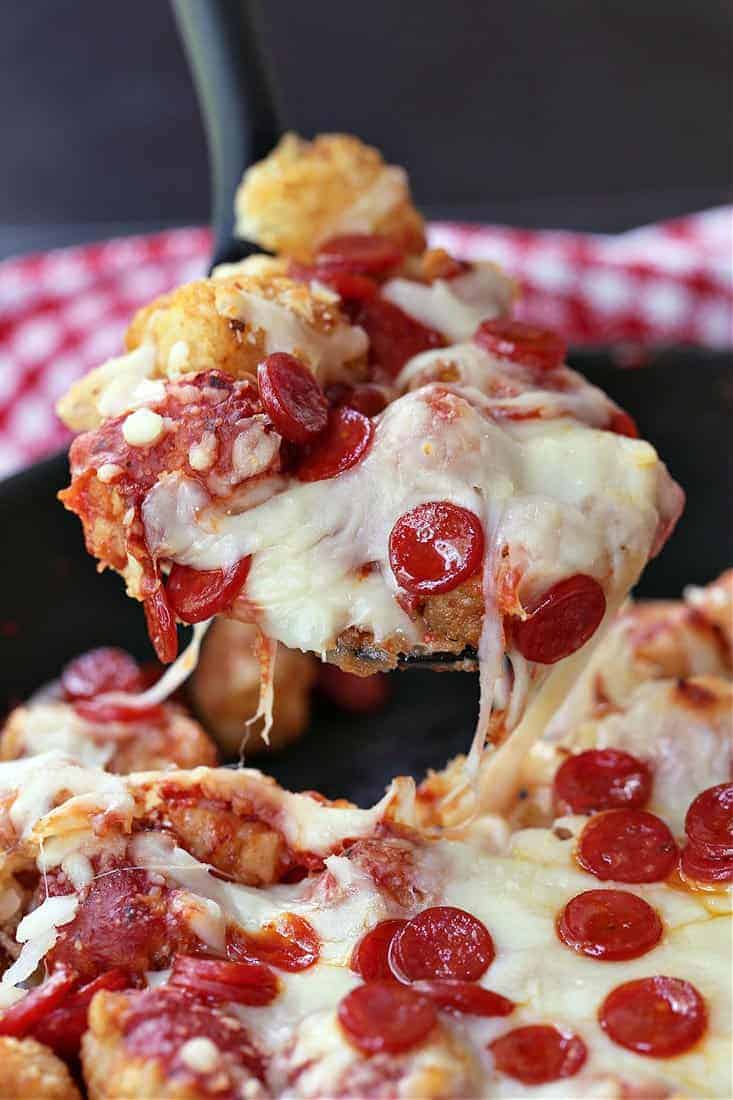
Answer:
(104, 669)
(343, 444)
(103, 710)
(290, 943)
(659, 1017)
(538, 348)
(609, 925)
(351, 288)
(370, 957)
(538, 1053)
(468, 998)
(196, 594)
(218, 980)
(435, 547)
(623, 424)
(295, 402)
(601, 779)
(161, 625)
(360, 254)
(25, 1014)
(562, 621)
(394, 336)
(709, 821)
(627, 846)
(696, 864)
(62, 1029)
(386, 1017)
(442, 942)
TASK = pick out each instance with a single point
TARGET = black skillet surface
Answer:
(55, 604)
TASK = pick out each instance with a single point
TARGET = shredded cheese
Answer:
(37, 932)
(173, 677)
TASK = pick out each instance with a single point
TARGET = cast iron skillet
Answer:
(55, 604)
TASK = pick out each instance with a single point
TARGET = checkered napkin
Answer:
(63, 312)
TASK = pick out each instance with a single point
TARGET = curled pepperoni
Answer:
(161, 625)
(538, 1054)
(25, 1014)
(343, 444)
(101, 670)
(121, 922)
(394, 336)
(627, 846)
(385, 1016)
(196, 594)
(609, 925)
(467, 998)
(660, 1017)
(696, 864)
(442, 942)
(562, 621)
(537, 348)
(601, 779)
(370, 957)
(290, 943)
(359, 253)
(295, 402)
(62, 1029)
(709, 821)
(101, 710)
(349, 287)
(435, 547)
(245, 983)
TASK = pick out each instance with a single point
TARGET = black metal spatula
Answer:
(236, 94)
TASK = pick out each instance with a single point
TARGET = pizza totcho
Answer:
(348, 447)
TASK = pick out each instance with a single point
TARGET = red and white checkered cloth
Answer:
(63, 312)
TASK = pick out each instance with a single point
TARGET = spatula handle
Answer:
(236, 95)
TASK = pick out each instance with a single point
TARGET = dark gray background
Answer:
(592, 114)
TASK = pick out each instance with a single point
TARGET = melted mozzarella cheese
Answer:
(517, 893)
(573, 500)
(36, 784)
(117, 386)
(518, 896)
(513, 389)
(284, 330)
(128, 383)
(497, 775)
(455, 307)
(687, 746)
(557, 497)
(56, 727)
(628, 658)
(173, 677)
(323, 1063)
(306, 824)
